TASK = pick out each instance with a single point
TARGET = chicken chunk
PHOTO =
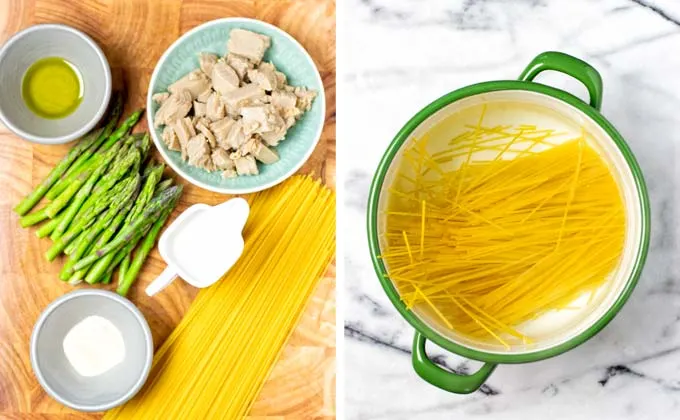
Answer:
(196, 82)
(221, 160)
(264, 76)
(204, 96)
(273, 138)
(248, 44)
(305, 98)
(214, 108)
(185, 131)
(198, 152)
(207, 61)
(170, 138)
(236, 137)
(245, 165)
(175, 107)
(261, 119)
(240, 64)
(229, 173)
(203, 129)
(224, 78)
(199, 109)
(221, 131)
(260, 151)
(159, 98)
(243, 95)
(282, 79)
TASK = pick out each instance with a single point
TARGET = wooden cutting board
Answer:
(134, 34)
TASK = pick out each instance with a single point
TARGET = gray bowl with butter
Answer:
(60, 379)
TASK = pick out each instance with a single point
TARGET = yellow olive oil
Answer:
(52, 88)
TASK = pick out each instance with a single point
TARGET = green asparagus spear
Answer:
(107, 278)
(108, 262)
(37, 194)
(114, 116)
(154, 175)
(124, 128)
(151, 213)
(164, 185)
(65, 197)
(112, 139)
(47, 228)
(33, 218)
(117, 171)
(130, 273)
(103, 238)
(127, 195)
(89, 175)
(84, 192)
(85, 220)
(70, 249)
(67, 216)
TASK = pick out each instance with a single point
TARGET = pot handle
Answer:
(443, 379)
(574, 67)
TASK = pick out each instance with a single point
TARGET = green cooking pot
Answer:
(553, 334)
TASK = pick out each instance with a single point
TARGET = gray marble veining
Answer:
(399, 55)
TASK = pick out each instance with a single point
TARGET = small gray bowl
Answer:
(55, 373)
(51, 40)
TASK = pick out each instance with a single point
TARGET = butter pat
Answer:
(94, 346)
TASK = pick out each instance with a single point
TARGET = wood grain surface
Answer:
(134, 34)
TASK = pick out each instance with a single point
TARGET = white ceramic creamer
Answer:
(202, 244)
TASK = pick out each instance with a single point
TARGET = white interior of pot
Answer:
(513, 107)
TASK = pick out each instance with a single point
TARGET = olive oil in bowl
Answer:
(52, 88)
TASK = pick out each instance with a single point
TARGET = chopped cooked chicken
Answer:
(305, 98)
(224, 78)
(227, 114)
(243, 95)
(207, 61)
(248, 44)
(284, 101)
(214, 108)
(240, 64)
(198, 152)
(221, 159)
(203, 129)
(199, 109)
(196, 82)
(204, 96)
(159, 98)
(236, 137)
(175, 107)
(273, 138)
(229, 173)
(261, 119)
(221, 130)
(184, 131)
(260, 151)
(245, 165)
(283, 80)
(264, 76)
(170, 138)
(202, 120)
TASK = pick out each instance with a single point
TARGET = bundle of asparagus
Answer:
(104, 197)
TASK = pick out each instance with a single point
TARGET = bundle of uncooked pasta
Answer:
(215, 362)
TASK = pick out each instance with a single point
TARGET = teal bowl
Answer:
(288, 56)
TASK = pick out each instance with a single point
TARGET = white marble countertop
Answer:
(398, 55)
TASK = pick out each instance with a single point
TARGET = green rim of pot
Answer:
(403, 135)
